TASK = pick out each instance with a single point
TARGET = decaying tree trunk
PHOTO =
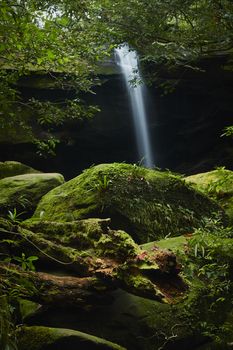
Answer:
(47, 289)
(108, 261)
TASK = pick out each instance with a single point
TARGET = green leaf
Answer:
(32, 258)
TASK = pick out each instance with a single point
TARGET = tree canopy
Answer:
(54, 37)
(71, 37)
(175, 29)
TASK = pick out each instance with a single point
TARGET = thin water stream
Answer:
(128, 61)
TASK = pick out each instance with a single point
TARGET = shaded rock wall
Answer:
(185, 124)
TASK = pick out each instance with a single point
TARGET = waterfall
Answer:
(128, 61)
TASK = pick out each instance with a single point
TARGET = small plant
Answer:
(47, 147)
(24, 202)
(25, 262)
(13, 216)
(228, 131)
(103, 184)
(218, 188)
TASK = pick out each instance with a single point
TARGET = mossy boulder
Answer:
(133, 322)
(146, 203)
(45, 338)
(23, 192)
(141, 324)
(13, 168)
(218, 185)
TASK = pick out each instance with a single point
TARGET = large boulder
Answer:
(218, 185)
(45, 338)
(22, 193)
(142, 324)
(134, 322)
(13, 168)
(146, 203)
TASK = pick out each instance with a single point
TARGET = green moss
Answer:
(173, 243)
(143, 286)
(27, 307)
(117, 244)
(92, 227)
(218, 185)
(85, 235)
(34, 338)
(41, 338)
(153, 325)
(23, 192)
(53, 251)
(146, 203)
(12, 168)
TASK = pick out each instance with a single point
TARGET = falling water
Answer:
(128, 61)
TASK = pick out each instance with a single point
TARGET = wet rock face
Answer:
(191, 113)
(148, 204)
(108, 137)
(185, 124)
(188, 129)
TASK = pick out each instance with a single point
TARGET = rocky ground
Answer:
(120, 257)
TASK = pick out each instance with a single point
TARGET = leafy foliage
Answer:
(67, 39)
(27, 263)
(207, 260)
(174, 31)
(57, 38)
(13, 216)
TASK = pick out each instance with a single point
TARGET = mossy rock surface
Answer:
(141, 324)
(27, 308)
(23, 192)
(88, 237)
(133, 322)
(13, 168)
(45, 338)
(147, 204)
(221, 247)
(175, 244)
(217, 184)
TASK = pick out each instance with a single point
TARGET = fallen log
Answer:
(48, 289)
(109, 259)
